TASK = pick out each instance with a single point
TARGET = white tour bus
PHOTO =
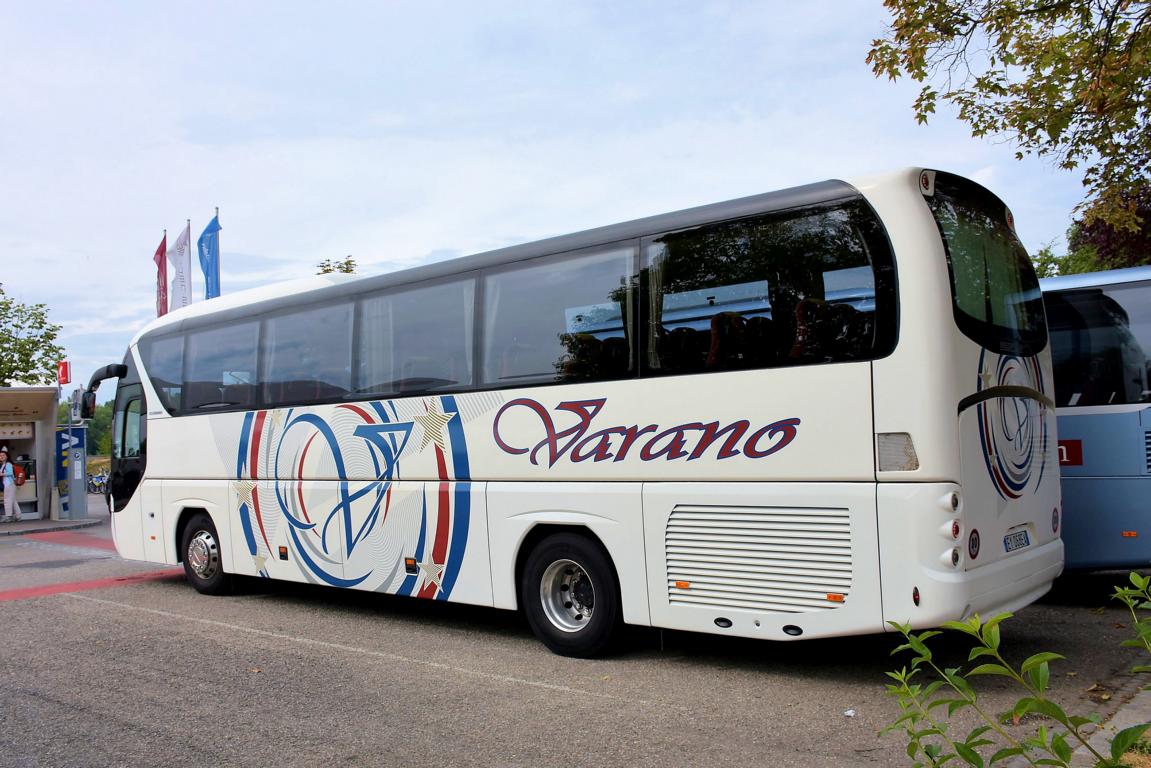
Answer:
(799, 414)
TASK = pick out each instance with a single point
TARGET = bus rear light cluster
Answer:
(1055, 520)
(951, 557)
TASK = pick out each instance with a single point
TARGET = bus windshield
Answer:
(1100, 340)
(994, 289)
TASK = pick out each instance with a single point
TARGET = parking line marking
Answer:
(44, 590)
(395, 657)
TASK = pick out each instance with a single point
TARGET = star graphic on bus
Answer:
(434, 421)
(433, 572)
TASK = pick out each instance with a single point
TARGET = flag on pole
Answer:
(182, 265)
(209, 248)
(161, 259)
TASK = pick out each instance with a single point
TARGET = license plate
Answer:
(1017, 540)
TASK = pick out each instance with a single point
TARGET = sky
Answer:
(402, 133)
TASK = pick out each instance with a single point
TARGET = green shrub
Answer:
(929, 695)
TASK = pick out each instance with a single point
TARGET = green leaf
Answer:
(969, 755)
(977, 732)
(1061, 748)
(1037, 659)
(948, 702)
(962, 626)
(1050, 709)
(1040, 676)
(1005, 753)
(1022, 707)
(931, 688)
(1125, 739)
(991, 669)
(978, 651)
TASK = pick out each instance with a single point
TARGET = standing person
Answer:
(8, 482)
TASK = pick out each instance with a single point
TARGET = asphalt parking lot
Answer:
(111, 663)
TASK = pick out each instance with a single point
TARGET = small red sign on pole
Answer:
(64, 372)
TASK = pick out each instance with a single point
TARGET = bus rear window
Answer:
(994, 290)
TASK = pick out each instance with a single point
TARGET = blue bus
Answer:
(1100, 326)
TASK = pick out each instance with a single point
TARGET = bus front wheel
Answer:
(570, 595)
(200, 547)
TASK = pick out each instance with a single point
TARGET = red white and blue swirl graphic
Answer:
(329, 480)
(1013, 431)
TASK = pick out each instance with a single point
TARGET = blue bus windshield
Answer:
(1100, 342)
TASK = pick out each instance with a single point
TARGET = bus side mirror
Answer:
(87, 405)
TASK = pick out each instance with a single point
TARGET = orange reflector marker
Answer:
(1130, 534)
(835, 597)
(683, 585)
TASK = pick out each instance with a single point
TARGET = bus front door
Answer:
(128, 458)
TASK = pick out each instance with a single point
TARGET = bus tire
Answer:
(570, 595)
(200, 551)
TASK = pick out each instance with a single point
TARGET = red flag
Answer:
(161, 259)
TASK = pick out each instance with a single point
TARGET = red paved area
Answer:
(26, 593)
(72, 539)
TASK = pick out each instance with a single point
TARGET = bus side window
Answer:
(220, 368)
(560, 318)
(164, 361)
(786, 288)
(416, 339)
(307, 355)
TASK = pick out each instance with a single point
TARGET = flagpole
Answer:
(188, 259)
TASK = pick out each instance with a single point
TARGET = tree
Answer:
(1097, 245)
(28, 349)
(1064, 79)
(328, 266)
(1114, 247)
(1047, 264)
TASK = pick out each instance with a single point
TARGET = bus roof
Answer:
(1096, 279)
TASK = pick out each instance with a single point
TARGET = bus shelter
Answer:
(28, 432)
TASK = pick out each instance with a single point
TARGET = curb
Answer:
(1134, 708)
(61, 525)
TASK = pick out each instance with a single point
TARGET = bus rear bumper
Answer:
(1005, 586)
(1021, 581)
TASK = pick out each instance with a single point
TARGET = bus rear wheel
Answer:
(200, 550)
(570, 595)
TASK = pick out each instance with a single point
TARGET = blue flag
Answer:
(209, 247)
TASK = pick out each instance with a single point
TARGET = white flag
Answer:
(180, 258)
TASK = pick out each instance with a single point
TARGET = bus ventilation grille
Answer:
(1147, 447)
(770, 559)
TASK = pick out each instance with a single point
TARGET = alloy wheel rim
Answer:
(567, 595)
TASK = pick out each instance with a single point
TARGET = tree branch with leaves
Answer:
(1069, 80)
(28, 349)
